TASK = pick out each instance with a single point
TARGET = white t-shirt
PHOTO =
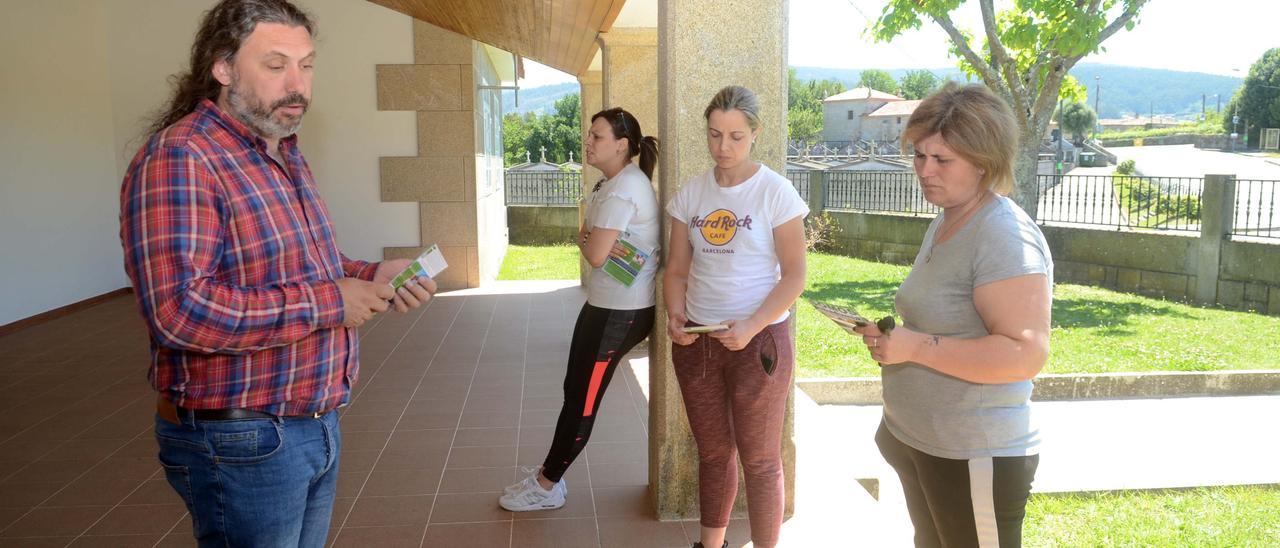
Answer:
(625, 203)
(734, 264)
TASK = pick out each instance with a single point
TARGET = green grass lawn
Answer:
(552, 262)
(1094, 330)
(1207, 516)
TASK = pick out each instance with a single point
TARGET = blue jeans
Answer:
(256, 482)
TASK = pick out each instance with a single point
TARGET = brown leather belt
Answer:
(174, 414)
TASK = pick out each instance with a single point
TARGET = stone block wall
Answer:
(1157, 265)
(885, 238)
(1250, 277)
(440, 87)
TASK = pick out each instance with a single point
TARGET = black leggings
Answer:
(961, 502)
(600, 339)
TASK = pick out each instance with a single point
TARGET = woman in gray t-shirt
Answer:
(957, 375)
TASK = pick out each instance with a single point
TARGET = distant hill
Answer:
(1134, 90)
(1125, 90)
(540, 99)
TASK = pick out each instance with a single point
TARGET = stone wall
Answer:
(456, 175)
(1250, 276)
(885, 238)
(1158, 265)
(542, 225)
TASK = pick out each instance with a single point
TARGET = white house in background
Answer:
(886, 122)
(844, 114)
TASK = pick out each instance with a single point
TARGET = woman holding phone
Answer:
(736, 261)
(957, 375)
(617, 315)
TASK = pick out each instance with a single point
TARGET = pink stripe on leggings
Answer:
(597, 377)
(735, 407)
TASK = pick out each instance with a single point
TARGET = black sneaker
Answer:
(699, 545)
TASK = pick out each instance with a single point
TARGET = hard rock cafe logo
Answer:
(720, 226)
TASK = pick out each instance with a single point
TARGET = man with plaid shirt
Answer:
(251, 308)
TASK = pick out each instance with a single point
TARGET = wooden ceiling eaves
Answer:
(558, 33)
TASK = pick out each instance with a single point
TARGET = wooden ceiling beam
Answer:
(557, 33)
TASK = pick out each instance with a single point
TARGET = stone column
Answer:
(706, 45)
(440, 87)
(1217, 215)
(817, 190)
(591, 103)
(629, 71)
(629, 56)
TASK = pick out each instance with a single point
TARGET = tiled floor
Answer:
(452, 400)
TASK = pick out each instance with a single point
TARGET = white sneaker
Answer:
(529, 472)
(533, 497)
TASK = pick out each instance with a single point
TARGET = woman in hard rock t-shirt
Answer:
(736, 259)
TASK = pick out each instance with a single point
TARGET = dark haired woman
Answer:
(617, 315)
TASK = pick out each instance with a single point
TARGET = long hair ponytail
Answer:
(648, 155)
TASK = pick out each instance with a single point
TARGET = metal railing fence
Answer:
(543, 187)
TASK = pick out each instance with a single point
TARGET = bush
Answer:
(1147, 206)
(1212, 125)
(1127, 167)
(820, 232)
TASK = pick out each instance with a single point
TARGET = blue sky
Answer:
(1191, 35)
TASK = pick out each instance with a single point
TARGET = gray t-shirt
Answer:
(940, 414)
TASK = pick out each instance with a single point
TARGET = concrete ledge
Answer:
(1099, 386)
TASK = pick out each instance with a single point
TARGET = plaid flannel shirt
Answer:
(234, 265)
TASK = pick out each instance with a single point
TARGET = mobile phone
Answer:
(845, 317)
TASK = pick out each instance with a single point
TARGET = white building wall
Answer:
(79, 79)
(836, 125)
(58, 183)
(491, 210)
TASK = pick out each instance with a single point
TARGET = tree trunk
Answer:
(1027, 191)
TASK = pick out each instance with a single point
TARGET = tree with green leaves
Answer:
(560, 132)
(804, 125)
(878, 80)
(804, 106)
(917, 84)
(1257, 102)
(1078, 120)
(1024, 56)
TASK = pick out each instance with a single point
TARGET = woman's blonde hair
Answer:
(975, 123)
(739, 98)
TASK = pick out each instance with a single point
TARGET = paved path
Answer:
(1189, 161)
(1088, 446)
(1124, 444)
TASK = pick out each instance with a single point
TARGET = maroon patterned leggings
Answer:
(736, 402)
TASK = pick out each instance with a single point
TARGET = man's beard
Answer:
(252, 111)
